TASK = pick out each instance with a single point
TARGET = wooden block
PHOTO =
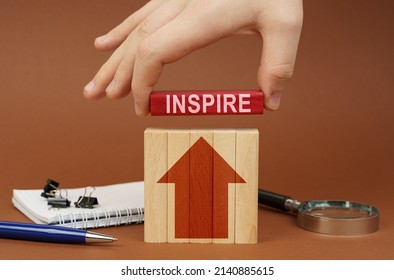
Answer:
(206, 102)
(155, 195)
(224, 182)
(246, 201)
(201, 186)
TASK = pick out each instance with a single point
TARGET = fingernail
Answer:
(274, 100)
(137, 109)
(110, 87)
(140, 111)
(89, 87)
(102, 38)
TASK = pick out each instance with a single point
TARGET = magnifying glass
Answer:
(333, 217)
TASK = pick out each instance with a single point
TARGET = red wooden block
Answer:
(218, 102)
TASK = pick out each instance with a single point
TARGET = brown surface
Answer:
(332, 138)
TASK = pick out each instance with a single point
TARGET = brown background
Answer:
(332, 138)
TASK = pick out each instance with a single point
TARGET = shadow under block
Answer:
(201, 186)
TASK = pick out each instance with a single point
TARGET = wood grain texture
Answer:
(246, 200)
(224, 196)
(155, 196)
(201, 188)
(178, 192)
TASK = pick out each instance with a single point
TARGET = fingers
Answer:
(121, 83)
(114, 77)
(116, 36)
(96, 88)
(280, 43)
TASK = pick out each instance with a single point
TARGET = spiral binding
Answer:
(103, 218)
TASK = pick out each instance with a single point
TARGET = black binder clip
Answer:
(49, 189)
(86, 201)
(58, 201)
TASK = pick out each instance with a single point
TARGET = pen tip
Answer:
(98, 237)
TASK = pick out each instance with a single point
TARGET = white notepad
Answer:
(118, 204)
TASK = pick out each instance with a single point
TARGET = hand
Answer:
(163, 31)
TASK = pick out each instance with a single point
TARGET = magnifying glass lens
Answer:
(338, 217)
(337, 209)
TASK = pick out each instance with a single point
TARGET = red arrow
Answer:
(201, 178)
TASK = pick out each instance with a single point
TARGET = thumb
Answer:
(277, 62)
(272, 82)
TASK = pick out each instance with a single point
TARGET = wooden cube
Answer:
(201, 185)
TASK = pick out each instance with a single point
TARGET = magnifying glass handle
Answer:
(278, 201)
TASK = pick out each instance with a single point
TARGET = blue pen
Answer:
(47, 233)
